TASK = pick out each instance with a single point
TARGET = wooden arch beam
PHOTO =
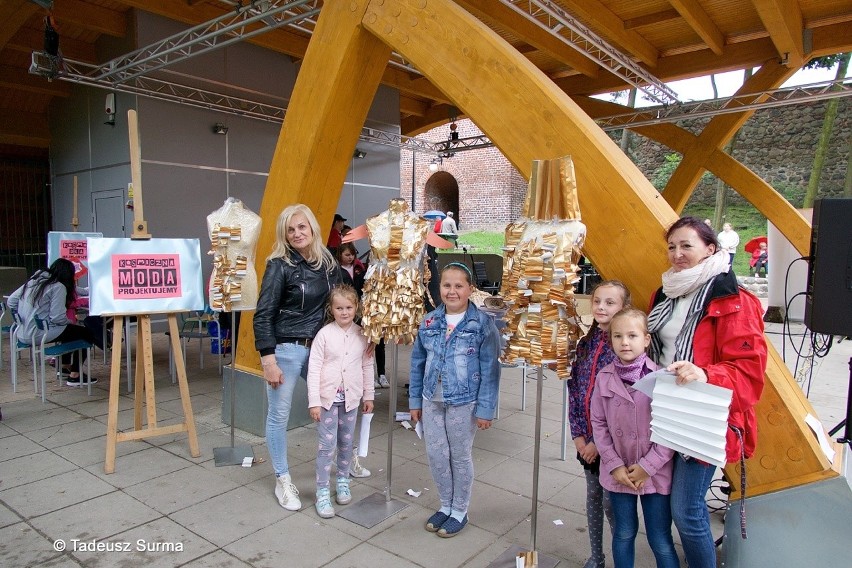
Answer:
(483, 75)
(331, 98)
(716, 134)
(749, 185)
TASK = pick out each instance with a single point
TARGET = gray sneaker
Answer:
(356, 469)
(383, 382)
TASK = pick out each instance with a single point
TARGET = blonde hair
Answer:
(318, 255)
(345, 291)
(633, 313)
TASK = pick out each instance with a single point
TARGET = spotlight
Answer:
(220, 128)
(359, 154)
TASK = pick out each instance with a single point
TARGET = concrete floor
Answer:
(53, 486)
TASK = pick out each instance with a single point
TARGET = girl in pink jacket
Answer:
(631, 465)
(340, 375)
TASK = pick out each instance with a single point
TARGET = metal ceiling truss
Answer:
(76, 72)
(738, 103)
(555, 20)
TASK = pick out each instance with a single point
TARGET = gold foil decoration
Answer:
(226, 288)
(394, 283)
(540, 268)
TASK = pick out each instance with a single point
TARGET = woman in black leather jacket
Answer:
(299, 274)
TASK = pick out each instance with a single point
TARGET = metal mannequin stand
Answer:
(508, 558)
(374, 509)
(233, 455)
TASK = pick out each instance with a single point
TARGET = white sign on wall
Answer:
(144, 277)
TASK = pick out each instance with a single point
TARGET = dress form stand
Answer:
(539, 271)
(144, 348)
(392, 311)
(234, 232)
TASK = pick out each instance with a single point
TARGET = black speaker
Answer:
(828, 306)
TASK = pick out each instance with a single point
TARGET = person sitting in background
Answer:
(45, 298)
(760, 260)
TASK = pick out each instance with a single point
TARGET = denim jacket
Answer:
(467, 362)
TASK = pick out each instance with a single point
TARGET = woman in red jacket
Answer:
(705, 328)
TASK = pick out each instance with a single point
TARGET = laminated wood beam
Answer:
(90, 17)
(783, 21)
(717, 133)
(748, 184)
(15, 14)
(335, 87)
(17, 78)
(534, 35)
(484, 76)
(699, 21)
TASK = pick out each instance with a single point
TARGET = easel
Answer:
(144, 348)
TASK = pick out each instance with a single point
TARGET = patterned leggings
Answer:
(449, 432)
(335, 428)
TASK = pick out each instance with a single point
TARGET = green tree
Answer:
(842, 61)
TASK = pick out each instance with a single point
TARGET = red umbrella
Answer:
(754, 244)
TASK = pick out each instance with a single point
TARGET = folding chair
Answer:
(15, 348)
(482, 282)
(57, 350)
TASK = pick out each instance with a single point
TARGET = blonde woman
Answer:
(299, 274)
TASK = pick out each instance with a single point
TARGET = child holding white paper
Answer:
(594, 352)
(631, 465)
(340, 375)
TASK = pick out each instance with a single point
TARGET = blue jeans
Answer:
(656, 511)
(293, 361)
(690, 482)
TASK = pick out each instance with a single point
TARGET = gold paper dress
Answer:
(540, 269)
(234, 231)
(394, 283)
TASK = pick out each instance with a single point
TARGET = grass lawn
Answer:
(747, 221)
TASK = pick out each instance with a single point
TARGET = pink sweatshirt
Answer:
(338, 355)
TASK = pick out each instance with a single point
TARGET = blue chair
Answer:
(45, 350)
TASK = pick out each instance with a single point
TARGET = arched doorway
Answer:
(442, 193)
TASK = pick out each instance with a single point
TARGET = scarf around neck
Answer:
(676, 285)
(630, 372)
(681, 283)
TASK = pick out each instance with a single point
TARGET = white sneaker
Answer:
(287, 494)
(383, 382)
(356, 469)
(377, 384)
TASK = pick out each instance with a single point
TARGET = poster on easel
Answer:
(144, 276)
(72, 246)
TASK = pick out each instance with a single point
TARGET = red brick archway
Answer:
(442, 193)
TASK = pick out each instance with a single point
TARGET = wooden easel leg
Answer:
(180, 368)
(114, 379)
(139, 377)
(146, 355)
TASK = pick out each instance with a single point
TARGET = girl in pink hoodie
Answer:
(632, 467)
(340, 375)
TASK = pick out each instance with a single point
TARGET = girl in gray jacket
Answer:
(41, 305)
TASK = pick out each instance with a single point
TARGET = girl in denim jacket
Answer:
(455, 376)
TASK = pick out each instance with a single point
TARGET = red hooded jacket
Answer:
(729, 345)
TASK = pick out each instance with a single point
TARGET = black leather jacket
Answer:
(291, 302)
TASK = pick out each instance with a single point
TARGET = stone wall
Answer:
(778, 144)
